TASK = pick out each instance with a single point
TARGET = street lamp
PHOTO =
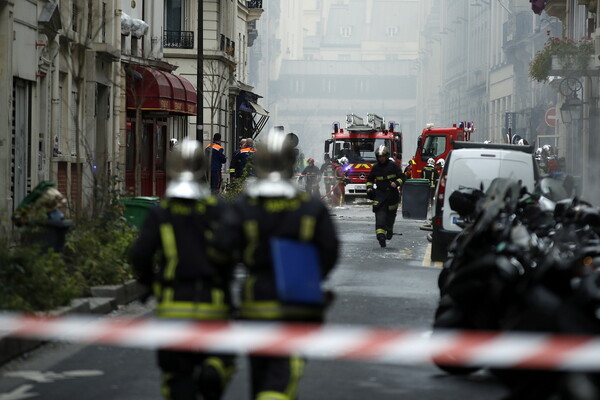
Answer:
(571, 110)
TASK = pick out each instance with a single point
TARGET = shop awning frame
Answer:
(258, 125)
(151, 89)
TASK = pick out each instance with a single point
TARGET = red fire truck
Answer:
(358, 143)
(436, 143)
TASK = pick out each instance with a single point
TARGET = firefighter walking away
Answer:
(382, 187)
(190, 282)
(278, 231)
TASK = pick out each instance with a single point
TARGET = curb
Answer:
(104, 300)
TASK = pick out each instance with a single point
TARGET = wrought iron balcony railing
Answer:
(254, 3)
(178, 39)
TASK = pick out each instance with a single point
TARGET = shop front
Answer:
(158, 105)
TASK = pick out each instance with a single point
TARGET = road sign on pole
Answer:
(551, 117)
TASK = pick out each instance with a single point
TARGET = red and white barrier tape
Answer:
(460, 348)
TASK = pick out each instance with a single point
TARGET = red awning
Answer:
(155, 90)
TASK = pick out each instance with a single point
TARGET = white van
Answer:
(475, 165)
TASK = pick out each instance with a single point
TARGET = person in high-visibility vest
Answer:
(192, 280)
(383, 184)
(311, 176)
(340, 173)
(271, 210)
(240, 160)
(216, 158)
(430, 173)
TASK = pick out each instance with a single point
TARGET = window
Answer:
(392, 31)
(345, 31)
(173, 15)
(434, 146)
(359, 150)
(174, 35)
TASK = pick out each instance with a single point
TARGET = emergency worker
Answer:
(190, 280)
(409, 168)
(326, 172)
(382, 187)
(273, 208)
(430, 173)
(241, 158)
(216, 158)
(231, 166)
(340, 174)
(439, 166)
(311, 176)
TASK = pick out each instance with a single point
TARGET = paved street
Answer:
(391, 287)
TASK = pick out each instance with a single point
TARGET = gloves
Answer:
(370, 194)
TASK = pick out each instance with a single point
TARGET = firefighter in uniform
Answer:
(340, 174)
(326, 172)
(409, 167)
(273, 207)
(190, 280)
(431, 174)
(389, 177)
(311, 178)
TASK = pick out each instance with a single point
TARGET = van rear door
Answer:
(477, 167)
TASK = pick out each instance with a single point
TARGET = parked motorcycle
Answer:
(524, 263)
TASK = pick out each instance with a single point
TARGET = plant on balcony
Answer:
(573, 56)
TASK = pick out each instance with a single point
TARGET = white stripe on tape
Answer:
(459, 348)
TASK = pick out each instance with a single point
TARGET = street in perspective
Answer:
(395, 287)
(284, 199)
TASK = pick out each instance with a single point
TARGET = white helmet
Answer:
(343, 161)
(441, 162)
(274, 164)
(275, 157)
(431, 162)
(382, 151)
(185, 167)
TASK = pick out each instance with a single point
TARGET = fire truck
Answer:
(436, 143)
(358, 143)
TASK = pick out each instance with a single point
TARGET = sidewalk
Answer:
(104, 300)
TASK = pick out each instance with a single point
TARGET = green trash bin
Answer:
(415, 199)
(136, 209)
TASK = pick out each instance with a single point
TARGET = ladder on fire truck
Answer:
(355, 123)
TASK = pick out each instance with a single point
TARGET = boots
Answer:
(389, 234)
(381, 239)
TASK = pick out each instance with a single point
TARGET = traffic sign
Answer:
(551, 117)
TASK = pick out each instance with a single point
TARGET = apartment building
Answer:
(91, 92)
(231, 106)
(58, 97)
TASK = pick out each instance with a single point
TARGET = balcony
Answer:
(178, 39)
(556, 8)
(254, 3)
(227, 45)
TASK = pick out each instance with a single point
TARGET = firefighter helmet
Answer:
(343, 161)
(274, 165)
(275, 157)
(382, 151)
(185, 166)
(431, 162)
(311, 161)
(441, 162)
